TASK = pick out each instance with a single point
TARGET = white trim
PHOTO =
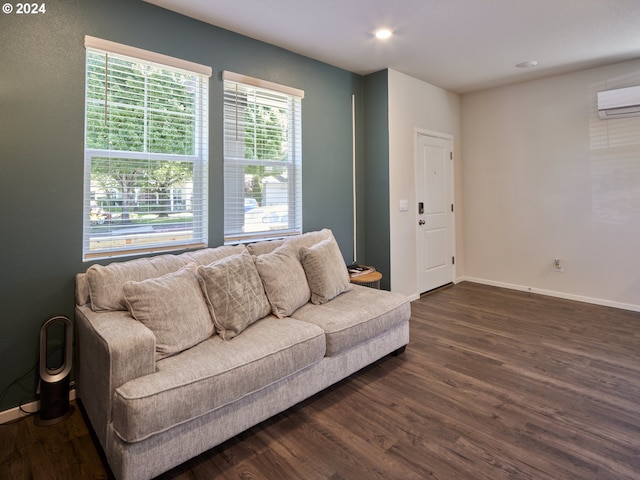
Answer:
(119, 48)
(431, 133)
(32, 407)
(353, 161)
(257, 82)
(552, 293)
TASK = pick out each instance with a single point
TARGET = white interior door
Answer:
(435, 225)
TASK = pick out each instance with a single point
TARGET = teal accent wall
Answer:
(41, 149)
(376, 174)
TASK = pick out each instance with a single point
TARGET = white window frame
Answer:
(116, 240)
(288, 218)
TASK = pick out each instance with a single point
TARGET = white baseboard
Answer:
(31, 408)
(552, 293)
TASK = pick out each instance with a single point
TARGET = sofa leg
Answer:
(399, 351)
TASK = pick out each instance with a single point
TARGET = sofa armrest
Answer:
(111, 349)
(83, 297)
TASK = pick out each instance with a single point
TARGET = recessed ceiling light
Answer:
(529, 64)
(383, 33)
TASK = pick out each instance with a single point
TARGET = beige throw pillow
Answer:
(234, 292)
(173, 308)
(326, 271)
(284, 280)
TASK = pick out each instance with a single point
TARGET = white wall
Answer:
(543, 177)
(416, 104)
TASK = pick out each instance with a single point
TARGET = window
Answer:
(146, 152)
(262, 159)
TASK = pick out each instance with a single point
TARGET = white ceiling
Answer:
(459, 45)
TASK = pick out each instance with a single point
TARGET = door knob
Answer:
(421, 222)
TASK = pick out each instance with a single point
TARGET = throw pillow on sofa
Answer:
(284, 280)
(234, 293)
(173, 308)
(325, 270)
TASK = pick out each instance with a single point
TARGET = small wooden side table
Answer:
(371, 279)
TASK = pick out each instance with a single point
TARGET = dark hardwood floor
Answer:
(495, 384)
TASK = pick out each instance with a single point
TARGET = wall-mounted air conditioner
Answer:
(623, 102)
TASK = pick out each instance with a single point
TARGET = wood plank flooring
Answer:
(495, 384)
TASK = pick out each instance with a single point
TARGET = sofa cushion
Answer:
(106, 282)
(325, 270)
(234, 293)
(284, 280)
(266, 246)
(356, 316)
(310, 238)
(213, 374)
(206, 256)
(173, 308)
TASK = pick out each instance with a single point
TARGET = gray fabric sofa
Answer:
(178, 353)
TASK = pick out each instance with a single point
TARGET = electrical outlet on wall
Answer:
(558, 264)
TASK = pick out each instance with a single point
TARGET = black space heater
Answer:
(56, 350)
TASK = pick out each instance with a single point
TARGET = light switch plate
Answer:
(404, 205)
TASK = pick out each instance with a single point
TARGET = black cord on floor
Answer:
(33, 397)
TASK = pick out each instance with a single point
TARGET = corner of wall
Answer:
(376, 174)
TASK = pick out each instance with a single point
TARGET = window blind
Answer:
(262, 159)
(146, 154)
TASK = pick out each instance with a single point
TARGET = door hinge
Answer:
(453, 260)
(450, 155)
(452, 208)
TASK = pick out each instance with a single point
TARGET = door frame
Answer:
(417, 132)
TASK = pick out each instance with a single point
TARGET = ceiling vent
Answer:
(623, 102)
